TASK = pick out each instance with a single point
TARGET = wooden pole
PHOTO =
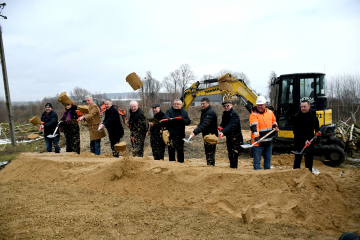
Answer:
(7, 91)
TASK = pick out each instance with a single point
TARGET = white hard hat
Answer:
(261, 100)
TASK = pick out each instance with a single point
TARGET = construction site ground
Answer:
(71, 196)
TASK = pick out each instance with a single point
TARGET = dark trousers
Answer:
(233, 147)
(179, 147)
(95, 146)
(158, 151)
(72, 142)
(50, 141)
(112, 144)
(210, 153)
(138, 142)
(309, 158)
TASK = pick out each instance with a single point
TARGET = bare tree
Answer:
(272, 89)
(187, 77)
(78, 94)
(171, 83)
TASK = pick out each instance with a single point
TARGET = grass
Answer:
(9, 152)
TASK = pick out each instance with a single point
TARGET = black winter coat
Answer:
(113, 124)
(69, 121)
(176, 127)
(304, 126)
(231, 124)
(156, 131)
(137, 122)
(51, 120)
(208, 122)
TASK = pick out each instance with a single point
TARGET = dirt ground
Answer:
(70, 196)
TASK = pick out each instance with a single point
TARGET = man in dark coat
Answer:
(71, 128)
(176, 128)
(208, 125)
(231, 128)
(305, 124)
(156, 140)
(113, 125)
(138, 129)
(50, 120)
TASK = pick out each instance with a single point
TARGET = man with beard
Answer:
(156, 140)
(231, 128)
(93, 120)
(305, 124)
(208, 125)
(49, 120)
(113, 125)
(137, 125)
(176, 129)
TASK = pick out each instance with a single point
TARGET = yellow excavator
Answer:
(288, 91)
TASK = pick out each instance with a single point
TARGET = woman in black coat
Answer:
(71, 129)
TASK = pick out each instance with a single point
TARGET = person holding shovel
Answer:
(138, 129)
(71, 128)
(49, 120)
(113, 125)
(93, 120)
(156, 140)
(305, 124)
(262, 121)
(177, 118)
(208, 125)
(231, 128)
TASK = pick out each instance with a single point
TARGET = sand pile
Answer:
(324, 202)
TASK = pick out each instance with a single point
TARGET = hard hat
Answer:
(261, 100)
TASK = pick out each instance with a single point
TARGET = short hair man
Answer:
(93, 120)
(208, 125)
(138, 129)
(49, 120)
(113, 125)
(176, 129)
(231, 128)
(262, 121)
(305, 124)
(156, 140)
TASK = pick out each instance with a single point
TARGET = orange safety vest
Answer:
(261, 124)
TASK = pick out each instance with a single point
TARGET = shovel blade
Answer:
(246, 146)
(51, 136)
(188, 141)
(297, 153)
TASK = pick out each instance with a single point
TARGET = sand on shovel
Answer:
(35, 120)
(165, 136)
(211, 139)
(83, 109)
(120, 147)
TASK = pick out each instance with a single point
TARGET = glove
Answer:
(318, 134)
(220, 128)
(257, 139)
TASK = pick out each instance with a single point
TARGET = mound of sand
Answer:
(324, 202)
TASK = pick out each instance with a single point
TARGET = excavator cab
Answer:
(294, 88)
(288, 91)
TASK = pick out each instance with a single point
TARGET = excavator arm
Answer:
(240, 89)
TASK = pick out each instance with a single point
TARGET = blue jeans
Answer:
(95, 146)
(50, 141)
(266, 152)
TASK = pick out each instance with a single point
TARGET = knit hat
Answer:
(48, 105)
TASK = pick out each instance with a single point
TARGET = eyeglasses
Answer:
(225, 106)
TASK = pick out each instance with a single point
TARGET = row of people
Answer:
(262, 121)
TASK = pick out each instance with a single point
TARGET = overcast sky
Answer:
(52, 46)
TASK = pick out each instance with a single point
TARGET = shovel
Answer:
(187, 140)
(54, 135)
(306, 145)
(249, 146)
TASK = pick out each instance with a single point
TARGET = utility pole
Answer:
(6, 84)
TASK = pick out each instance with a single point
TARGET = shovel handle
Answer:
(264, 137)
(308, 144)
